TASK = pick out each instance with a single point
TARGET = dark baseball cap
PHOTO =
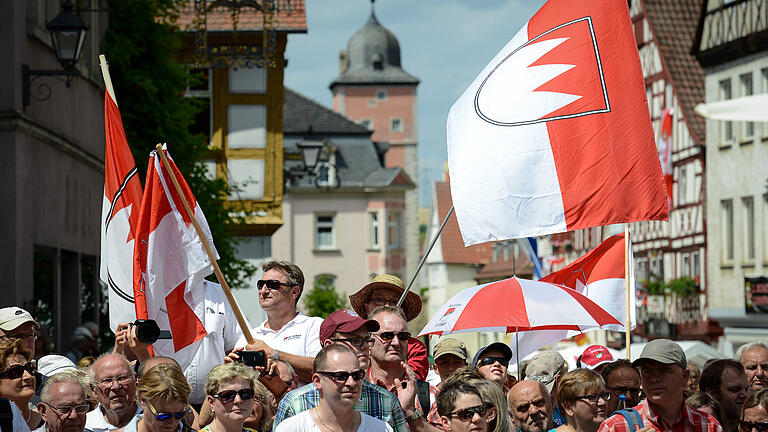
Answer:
(663, 351)
(498, 346)
(345, 321)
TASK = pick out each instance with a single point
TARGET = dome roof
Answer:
(373, 56)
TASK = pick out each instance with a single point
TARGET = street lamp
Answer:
(67, 35)
(310, 153)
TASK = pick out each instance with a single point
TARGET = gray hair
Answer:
(69, 376)
(748, 346)
(92, 372)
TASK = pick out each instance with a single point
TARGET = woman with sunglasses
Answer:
(754, 413)
(461, 408)
(17, 378)
(231, 396)
(581, 396)
(164, 397)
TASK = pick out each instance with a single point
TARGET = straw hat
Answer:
(411, 306)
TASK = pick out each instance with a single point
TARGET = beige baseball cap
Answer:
(451, 346)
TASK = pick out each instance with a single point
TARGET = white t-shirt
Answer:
(303, 422)
(96, 422)
(18, 424)
(299, 336)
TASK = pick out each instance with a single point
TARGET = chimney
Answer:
(342, 62)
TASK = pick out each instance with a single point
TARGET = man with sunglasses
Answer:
(621, 379)
(287, 334)
(63, 404)
(338, 379)
(345, 327)
(16, 323)
(664, 373)
(114, 385)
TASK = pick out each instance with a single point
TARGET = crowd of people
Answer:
(360, 369)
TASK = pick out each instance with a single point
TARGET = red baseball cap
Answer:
(595, 355)
(346, 321)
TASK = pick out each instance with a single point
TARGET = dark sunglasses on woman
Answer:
(229, 395)
(746, 426)
(468, 413)
(17, 371)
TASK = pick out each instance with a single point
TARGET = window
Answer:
(210, 168)
(748, 207)
(764, 78)
(393, 230)
(686, 270)
(246, 176)
(681, 185)
(246, 126)
(248, 80)
(747, 128)
(373, 227)
(324, 232)
(397, 125)
(368, 123)
(726, 230)
(199, 87)
(381, 94)
(325, 281)
(727, 127)
(695, 265)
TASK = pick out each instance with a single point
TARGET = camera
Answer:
(252, 358)
(147, 331)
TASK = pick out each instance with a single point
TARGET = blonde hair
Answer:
(228, 372)
(164, 381)
(9, 347)
(573, 383)
(265, 423)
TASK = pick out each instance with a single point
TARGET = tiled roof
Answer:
(291, 17)
(452, 244)
(503, 269)
(674, 23)
(301, 113)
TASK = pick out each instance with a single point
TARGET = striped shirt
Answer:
(374, 401)
(689, 420)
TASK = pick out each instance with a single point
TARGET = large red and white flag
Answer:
(554, 134)
(170, 262)
(119, 214)
(600, 276)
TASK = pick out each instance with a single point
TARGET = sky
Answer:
(445, 43)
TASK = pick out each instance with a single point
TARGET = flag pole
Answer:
(424, 258)
(208, 251)
(626, 289)
(107, 77)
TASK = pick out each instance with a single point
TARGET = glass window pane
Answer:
(246, 177)
(247, 126)
(247, 80)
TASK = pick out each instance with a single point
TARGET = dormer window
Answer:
(378, 64)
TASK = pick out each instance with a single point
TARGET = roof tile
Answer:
(291, 17)
(454, 251)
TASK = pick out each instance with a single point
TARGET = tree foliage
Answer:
(141, 48)
(323, 299)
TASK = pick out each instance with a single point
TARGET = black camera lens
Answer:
(147, 331)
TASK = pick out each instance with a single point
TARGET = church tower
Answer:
(373, 89)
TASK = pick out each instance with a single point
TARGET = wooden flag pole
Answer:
(208, 251)
(107, 77)
(626, 289)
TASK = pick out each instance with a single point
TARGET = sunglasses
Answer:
(229, 395)
(468, 413)
(342, 376)
(356, 342)
(17, 371)
(167, 416)
(271, 284)
(388, 336)
(64, 410)
(748, 426)
(634, 393)
(487, 361)
(593, 398)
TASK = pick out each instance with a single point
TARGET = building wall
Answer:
(741, 163)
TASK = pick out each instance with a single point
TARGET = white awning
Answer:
(747, 108)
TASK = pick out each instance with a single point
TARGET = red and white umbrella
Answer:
(517, 305)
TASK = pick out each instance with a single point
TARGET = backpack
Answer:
(633, 418)
(6, 416)
(422, 388)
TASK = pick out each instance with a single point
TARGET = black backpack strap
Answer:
(6, 416)
(423, 396)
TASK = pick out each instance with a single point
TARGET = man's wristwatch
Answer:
(413, 416)
(276, 356)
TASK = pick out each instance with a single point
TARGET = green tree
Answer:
(142, 48)
(323, 299)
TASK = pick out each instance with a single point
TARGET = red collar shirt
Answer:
(688, 420)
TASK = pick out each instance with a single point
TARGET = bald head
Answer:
(154, 361)
(530, 406)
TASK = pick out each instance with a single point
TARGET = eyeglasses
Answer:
(468, 413)
(356, 342)
(382, 301)
(271, 284)
(121, 380)
(229, 395)
(64, 410)
(593, 398)
(388, 336)
(748, 426)
(20, 336)
(17, 371)
(634, 393)
(486, 361)
(343, 376)
(167, 416)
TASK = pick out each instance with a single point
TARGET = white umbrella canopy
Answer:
(747, 108)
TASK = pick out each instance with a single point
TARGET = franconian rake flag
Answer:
(119, 215)
(554, 134)
(170, 262)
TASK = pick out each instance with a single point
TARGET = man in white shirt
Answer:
(286, 335)
(63, 405)
(114, 385)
